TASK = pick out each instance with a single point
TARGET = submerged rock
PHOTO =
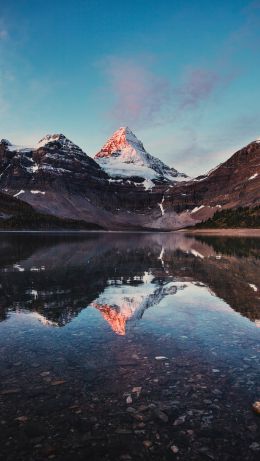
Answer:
(256, 407)
(161, 415)
(129, 400)
(174, 449)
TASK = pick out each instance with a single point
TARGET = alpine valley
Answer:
(123, 187)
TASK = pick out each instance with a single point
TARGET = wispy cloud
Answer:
(198, 85)
(139, 93)
(3, 33)
(195, 151)
(3, 74)
(246, 36)
(143, 97)
(4, 77)
(3, 30)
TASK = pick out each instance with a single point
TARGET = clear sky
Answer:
(183, 75)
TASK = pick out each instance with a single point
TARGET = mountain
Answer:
(232, 184)
(241, 217)
(124, 156)
(57, 178)
(54, 154)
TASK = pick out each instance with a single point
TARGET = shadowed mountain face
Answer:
(233, 183)
(121, 276)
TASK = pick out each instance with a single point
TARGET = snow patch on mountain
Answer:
(56, 137)
(161, 206)
(15, 147)
(37, 192)
(253, 286)
(19, 193)
(115, 168)
(148, 184)
(197, 208)
(253, 177)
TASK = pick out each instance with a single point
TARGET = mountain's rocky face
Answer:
(124, 187)
(54, 156)
(57, 177)
(233, 183)
(16, 214)
(10, 206)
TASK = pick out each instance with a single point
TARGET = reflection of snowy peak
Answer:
(124, 155)
(120, 303)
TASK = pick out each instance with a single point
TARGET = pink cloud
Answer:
(3, 33)
(139, 93)
(142, 97)
(3, 30)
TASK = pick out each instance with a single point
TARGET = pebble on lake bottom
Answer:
(256, 407)
(129, 400)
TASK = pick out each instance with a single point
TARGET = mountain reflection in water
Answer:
(125, 300)
(129, 347)
(53, 278)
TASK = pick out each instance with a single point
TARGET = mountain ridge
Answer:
(57, 177)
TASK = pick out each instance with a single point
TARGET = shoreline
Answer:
(229, 232)
(67, 231)
(232, 232)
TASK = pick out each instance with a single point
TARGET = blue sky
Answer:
(183, 75)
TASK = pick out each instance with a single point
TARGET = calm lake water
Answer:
(129, 347)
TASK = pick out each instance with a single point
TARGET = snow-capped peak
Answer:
(66, 146)
(53, 138)
(125, 144)
(5, 142)
(124, 155)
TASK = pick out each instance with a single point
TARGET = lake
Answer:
(117, 346)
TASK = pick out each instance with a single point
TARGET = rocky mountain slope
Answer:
(241, 217)
(57, 177)
(124, 187)
(18, 215)
(233, 183)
